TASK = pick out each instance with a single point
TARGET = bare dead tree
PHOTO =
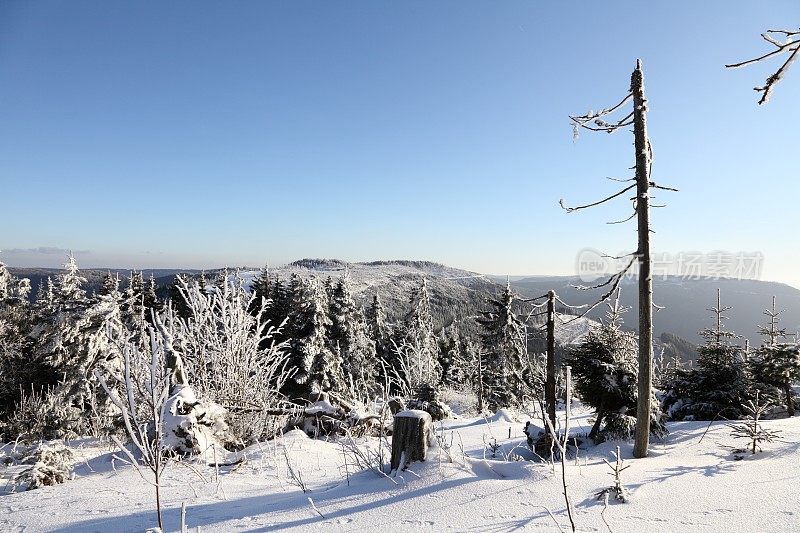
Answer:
(550, 384)
(602, 121)
(785, 42)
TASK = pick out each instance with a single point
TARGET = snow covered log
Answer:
(410, 436)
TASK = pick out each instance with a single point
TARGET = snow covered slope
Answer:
(691, 482)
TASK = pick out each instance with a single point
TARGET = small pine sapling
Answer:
(751, 427)
(619, 492)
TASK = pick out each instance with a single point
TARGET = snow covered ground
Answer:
(691, 482)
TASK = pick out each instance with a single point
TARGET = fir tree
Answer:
(152, 304)
(777, 366)
(380, 332)
(20, 371)
(316, 367)
(719, 384)
(450, 359)
(177, 298)
(348, 335)
(75, 337)
(109, 284)
(133, 302)
(505, 359)
(261, 288)
(604, 369)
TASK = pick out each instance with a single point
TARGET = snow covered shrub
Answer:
(605, 369)
(230, 357)
(34, 417)
(39, 465)
(159, 411)
(426, 398)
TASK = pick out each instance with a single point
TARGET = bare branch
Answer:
(571, 209)
(613, 280)
(655, 185)
(791, 46)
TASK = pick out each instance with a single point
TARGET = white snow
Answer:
(414, 413)
(690, 482)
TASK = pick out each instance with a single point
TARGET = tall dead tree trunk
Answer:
(550, 383)
(597, 121)
(642, 146)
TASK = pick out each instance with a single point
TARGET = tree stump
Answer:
(412, 430)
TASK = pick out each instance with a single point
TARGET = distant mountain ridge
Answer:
(460, 294)
(685, 302)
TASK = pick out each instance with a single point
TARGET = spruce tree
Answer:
(604, 369)
(109, 284)
(380, 332)
(417, 360)
(719, 385)
(316, 367)
(777, 367)
(261, 288)
(75, 337)
(177, 298)
(505, 353)
(348, 335)
(450, 359)
(151, 303)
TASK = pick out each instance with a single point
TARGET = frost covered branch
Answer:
(791, 46)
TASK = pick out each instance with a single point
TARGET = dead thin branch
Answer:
(571, 209)
(791, 46)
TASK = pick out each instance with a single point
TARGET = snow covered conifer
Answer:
(777, 366)
(450, 359)
(418, 335)
(380, 332)
(719, 384)
(316, 367)
(348, 335)
(74, 338)
(604, 367)
(109, 284)
(505, 352)
(151, 301)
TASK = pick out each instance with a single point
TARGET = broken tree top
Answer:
(413, 413)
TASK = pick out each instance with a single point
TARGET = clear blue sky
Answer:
(199, 134)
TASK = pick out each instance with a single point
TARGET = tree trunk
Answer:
(642, 146)
(550, 384)
(410, 435)
(789, 398)
(596, 426)
(480, 382)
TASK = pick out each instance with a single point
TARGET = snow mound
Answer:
(503, 415)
